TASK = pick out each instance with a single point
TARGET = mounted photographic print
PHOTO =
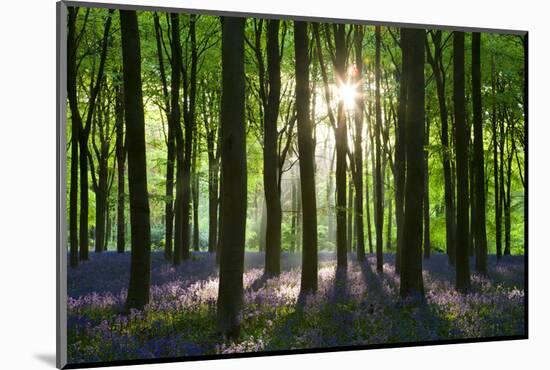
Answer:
(235, 184)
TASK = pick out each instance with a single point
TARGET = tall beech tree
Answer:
(462, 257)
(341, 133)
(234, 178)
(170, 144)
(400, 150)
(358, 149)
(307, 162)
(411, 268)
(84, 134)
(479, 166)
(209, 105)
(76, 123)
(438, 67)
(379, 210)
(271, 156)
(140, 261)
(102, 179)
(121, 168)
(181, 228)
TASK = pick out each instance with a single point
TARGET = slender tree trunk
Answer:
(121, 161)
(76, 122)
(271, 155)
(330, 193)
(83, 135)
(379, 211)
(213, 174)
(189, 121)
(508, 200)
(479, 160)
(400, 151)
(390, 218)
(341, 150)
(450, 224)
(234, 177)
(411, 268)
(462, 259)
(195, 190)
(358, 118)
(83, 162)
(294, 214)
(306, 155)
(498, 209)
(502, 194)
(368, 203)
(179, 227)
(349, 239)
(471, 189)
(171, 154)
(140, 265)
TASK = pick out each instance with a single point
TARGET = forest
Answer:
(244, 184)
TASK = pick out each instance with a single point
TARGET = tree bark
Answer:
(379, 210)
(462, 258)
(271, 156)
(140, 263)
(498, 208)
(400, 151)
(411, 268)
(350, 217)
(76, 123)
(479, 160)
(234, 177)
(180, 226)
(341, 150)
(195, 193)
(121, 169)
(358, 152)
(306, 156)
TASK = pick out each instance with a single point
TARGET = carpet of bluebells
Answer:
(359, 307)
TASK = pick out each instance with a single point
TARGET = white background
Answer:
(27, 181)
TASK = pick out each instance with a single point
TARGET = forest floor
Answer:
(361, 307)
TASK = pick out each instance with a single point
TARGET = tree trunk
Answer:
(379, 210)
(195, 190)
(189, 121)
(426, 205)
(349, 209)
(479, 160)
(508, 200)
(294, 214)
(213, 175)
(140, 263)
(368, 202)
(170, 146)
(271, 156)
(400, 151)
(121, 159)
(390, 218)
(179, 227)
(234, 177)
(76, 122)
(411, 267)
(358, 152)
(462, 258)
(450, 224)
(498, 209)
(306, 154)
(341, 150)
